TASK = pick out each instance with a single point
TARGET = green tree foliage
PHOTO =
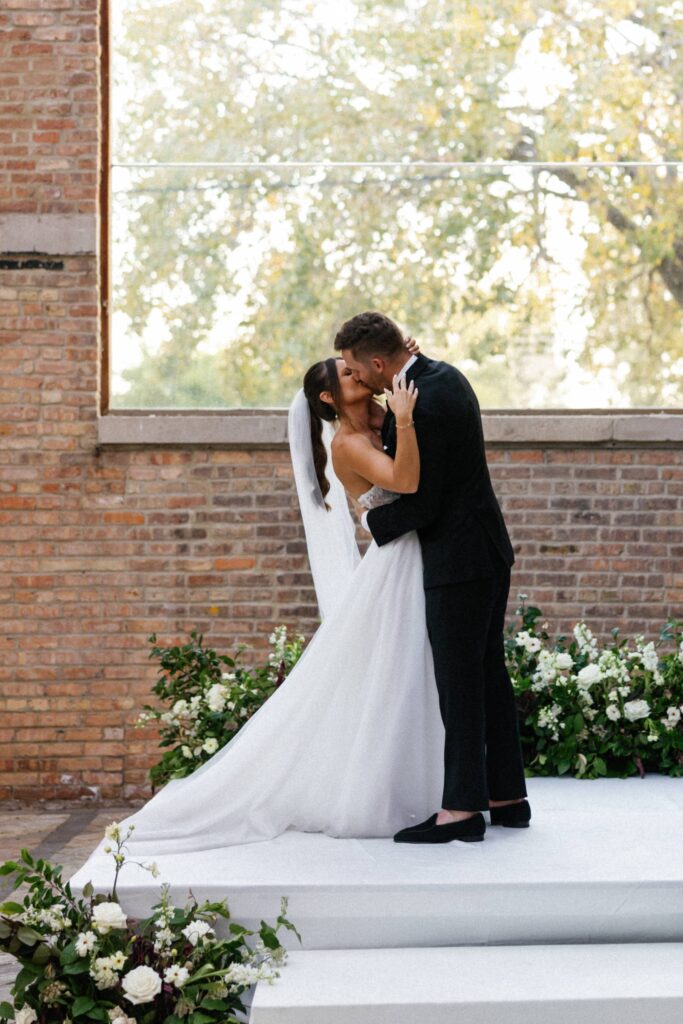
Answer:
(231, 281)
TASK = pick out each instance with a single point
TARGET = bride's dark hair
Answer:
(322, 376)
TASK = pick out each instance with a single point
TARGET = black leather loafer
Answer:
(470, 830)
(512, 815)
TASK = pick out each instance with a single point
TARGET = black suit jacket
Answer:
(454, 509)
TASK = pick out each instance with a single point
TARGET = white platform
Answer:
(601, 862)
(608, 984)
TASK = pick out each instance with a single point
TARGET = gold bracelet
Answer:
(404, 426)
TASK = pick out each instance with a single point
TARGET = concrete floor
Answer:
(60, 833)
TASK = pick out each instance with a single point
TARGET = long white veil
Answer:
(330, 535)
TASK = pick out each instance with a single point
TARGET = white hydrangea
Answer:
(210, 745)
(636, 709)
(612, 711)
(195, 931)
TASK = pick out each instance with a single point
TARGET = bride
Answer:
(351, 744)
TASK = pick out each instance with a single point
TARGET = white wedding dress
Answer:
(351, 743)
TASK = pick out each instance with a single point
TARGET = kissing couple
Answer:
(399, 719)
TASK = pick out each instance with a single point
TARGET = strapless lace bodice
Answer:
(376, 496)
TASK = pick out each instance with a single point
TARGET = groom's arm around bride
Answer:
(467, 555)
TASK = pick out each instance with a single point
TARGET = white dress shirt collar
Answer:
(406, 366)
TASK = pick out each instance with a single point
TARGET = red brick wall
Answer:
(48, 106)
(100, 547)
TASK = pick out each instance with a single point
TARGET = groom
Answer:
(467, 554)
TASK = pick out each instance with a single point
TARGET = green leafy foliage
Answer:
(81, 959)
(591, 712)
(205, 705)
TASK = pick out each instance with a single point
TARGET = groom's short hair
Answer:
(370, 334)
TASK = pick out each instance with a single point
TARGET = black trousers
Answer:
(482, 752)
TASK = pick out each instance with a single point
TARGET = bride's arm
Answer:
(401, 474)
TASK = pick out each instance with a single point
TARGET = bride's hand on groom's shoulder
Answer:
(412, 346)
(401, 400)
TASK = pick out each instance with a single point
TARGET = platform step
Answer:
(563, 984)
(581, 874)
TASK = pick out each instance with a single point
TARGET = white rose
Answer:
(26, 1015)
(141, 985)
(196, 930)
(589, 675)
(635, 709)
(564, 660)
(216, 697)
(106, 916)
(210, 745)
(612, 711)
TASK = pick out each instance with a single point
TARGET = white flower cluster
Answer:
(585, 640)
(548, 719)
(613, 667)
(117, 1016)
(163, 939)
(531, 644)
(278, 643)
(551, 665)
(673, 717)
(54, 917)
(104, 969)
(241, 975)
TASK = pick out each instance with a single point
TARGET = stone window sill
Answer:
(246, 428)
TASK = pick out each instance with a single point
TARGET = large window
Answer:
(503, 179)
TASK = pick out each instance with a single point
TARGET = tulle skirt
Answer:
(351, 744)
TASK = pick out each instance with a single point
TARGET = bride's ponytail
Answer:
(321, 376)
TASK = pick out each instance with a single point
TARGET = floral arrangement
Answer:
(587, 711)
(86, 960)
(207, 704)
